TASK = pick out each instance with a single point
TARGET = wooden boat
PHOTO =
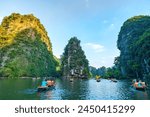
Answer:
(50, 84)
(40, 88)
(140, 88)
(98, 80)
(71, 80)
(114, 80)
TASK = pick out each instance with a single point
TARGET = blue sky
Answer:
(95, 22)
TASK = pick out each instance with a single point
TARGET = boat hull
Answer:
(140, 88)
(114, 80)
(41, 89)
(98, 80)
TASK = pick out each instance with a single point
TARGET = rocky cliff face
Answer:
(74, 63)
(25, 49)
(130, 34)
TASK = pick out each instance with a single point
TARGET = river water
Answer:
(26, 89)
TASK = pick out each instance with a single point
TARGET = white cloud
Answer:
(96, 47)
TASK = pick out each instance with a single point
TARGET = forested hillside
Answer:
(25, 48)
(134, 45)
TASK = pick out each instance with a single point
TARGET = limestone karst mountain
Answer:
(25, 48)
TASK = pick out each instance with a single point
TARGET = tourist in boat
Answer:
(135, 82)
(140, 83)
(50, 82)
(44, 83)
(97, 77)
(53, 83)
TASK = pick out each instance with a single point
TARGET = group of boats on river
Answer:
(98, 79)
(49, 83)
(137, 84)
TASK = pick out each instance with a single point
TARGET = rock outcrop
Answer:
(73, 61)
(133, 60)
(25, 48)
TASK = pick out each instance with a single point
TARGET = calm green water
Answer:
(26, 89)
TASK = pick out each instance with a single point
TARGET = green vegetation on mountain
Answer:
(73, 60)
(26, 51)
(134, 45)
(25, 48)
(15, 23)
(98, 71)
(110, 72)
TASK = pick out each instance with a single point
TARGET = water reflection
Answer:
(77, 90)
(141, 95)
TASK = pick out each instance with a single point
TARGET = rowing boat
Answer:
(114, 80)
(98, 80)
(142, 86)
(45, 88)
